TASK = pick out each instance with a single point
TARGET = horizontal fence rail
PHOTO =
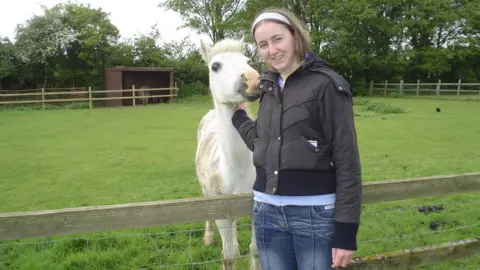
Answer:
(407, 259)
(458, 89)
(79, 95)
(20, 225)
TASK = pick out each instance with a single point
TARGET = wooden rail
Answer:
(407, 259)
(149, 214)
(41, 96)
(433, 88)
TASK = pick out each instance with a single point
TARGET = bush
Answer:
(358, 101)
(380, 107)
(359, 91)
(195, 88)
(48, 106)
(394, 94)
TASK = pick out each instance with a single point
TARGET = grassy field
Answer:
(68, 158)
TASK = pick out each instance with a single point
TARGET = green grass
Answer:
(68, 158)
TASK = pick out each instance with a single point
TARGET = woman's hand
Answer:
(242, 106)
(341, 257)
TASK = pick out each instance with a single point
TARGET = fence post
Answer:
(90, 96)
(401, 88)
(458, 87)
(176, 92)
(438, 87)
(43, 98)
(418, 87)
(371, 87)
(133, 95)
(385, 89)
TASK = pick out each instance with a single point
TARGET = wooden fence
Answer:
(149, 214)
(84, 95)
(439, 89)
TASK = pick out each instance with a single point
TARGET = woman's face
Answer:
(276, 45)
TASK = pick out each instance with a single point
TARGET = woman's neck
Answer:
(290, 70)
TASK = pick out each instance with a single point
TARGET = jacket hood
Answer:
(312, 60)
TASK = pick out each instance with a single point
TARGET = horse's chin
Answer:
(251, 96)
(231, 103)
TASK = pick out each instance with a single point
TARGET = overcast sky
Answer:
(129, 16)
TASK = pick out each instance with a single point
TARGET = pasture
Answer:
(68, 158)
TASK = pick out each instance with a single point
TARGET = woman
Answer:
(307, 193)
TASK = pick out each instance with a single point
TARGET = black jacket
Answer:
(304, 141)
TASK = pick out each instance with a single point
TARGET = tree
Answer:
(89, 54)
(8, 67)
(215, 18)
(41, 39)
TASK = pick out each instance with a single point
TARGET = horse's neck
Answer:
(232, 147)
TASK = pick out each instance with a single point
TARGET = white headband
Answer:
(270, 15)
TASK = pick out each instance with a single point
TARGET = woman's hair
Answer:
(296, 27)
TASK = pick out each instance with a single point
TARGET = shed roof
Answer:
(139, 69)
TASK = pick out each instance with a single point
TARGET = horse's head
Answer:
(232, 79)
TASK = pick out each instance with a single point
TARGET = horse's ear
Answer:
(204, 51)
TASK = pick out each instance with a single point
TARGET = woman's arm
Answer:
(246, 127)
(339, 127)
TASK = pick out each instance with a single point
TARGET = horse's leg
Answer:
(208, 237)
(230, 250)
(254, 261)
(209, 233)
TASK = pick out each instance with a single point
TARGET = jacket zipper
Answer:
(280, 103)
(279, 100)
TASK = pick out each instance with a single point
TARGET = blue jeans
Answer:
(293, 237)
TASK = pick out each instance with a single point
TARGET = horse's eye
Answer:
(216, 66)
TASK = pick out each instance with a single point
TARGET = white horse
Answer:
(223, 161)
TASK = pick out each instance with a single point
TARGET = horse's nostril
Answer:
(241, 87)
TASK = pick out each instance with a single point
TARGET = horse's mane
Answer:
(226, 45)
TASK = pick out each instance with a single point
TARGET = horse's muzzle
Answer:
(247, 86)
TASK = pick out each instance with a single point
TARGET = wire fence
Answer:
(181, 247)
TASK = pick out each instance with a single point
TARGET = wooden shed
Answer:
(123, 78)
